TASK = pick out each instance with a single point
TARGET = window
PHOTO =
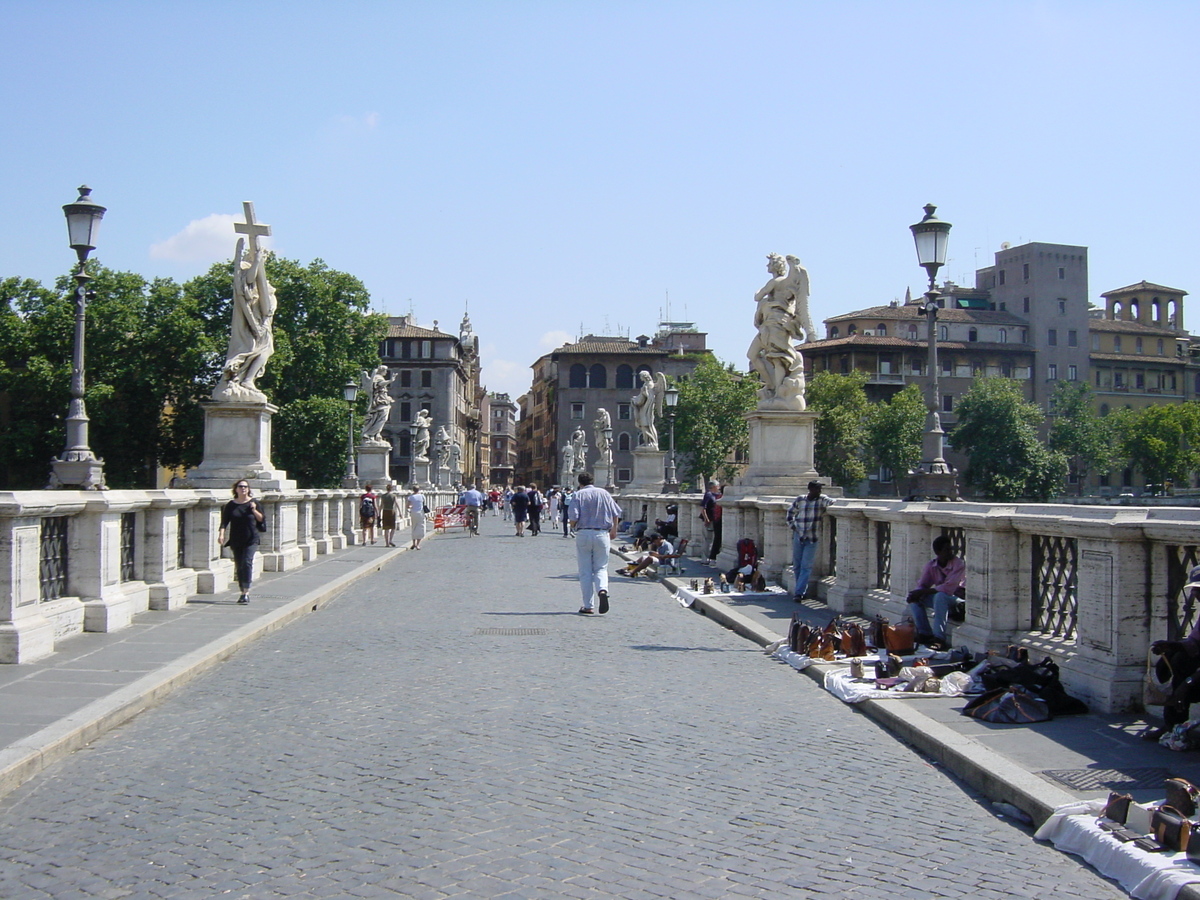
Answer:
(1052, 372)
(912, 332)
(1000, 275)
(406, 350)
(405, 411)
(1062, 306)
(624, 377)
(1072, 373)
(1062, 274)
(1072, 338)
(1118, 379)
(1006, 370)
(576, 410)
(947, 366)
(1096, 342)
(1003, 306)
(1116, 343)
(973, 334)
(947, 403)
(405, 378)
(426, 378)
(1004, 335)
(1052, 337)
(833, 333)
(943, 333)
(885, 365)
(623, 440)
(578, 376)
(426, 349)
(1139, 381)
(1024, 335)
(851, 329)
(623, 411)
(1025, 304)
(1104, 409)
(623, 475)
(598, 376)
(915, 366)
(1137, 347)
(1025, 272)
(881, 330)
(1160, 347)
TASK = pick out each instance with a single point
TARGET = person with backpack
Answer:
(536, 502)
(368, 504)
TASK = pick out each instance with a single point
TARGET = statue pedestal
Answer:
(443, 476)
(649, 470)
(374, 464)
(781, 454)
(237, 444)
(420, 473)
(602, 475)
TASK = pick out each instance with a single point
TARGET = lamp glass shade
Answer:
(671, 396)
(931, 236)
(83, 220)
(350, 391)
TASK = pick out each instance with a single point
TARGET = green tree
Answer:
(1085, 438)
(1161, 440)
(997, 430)
(894, 431)
(839, 443)
(310, 441)
(710, 431)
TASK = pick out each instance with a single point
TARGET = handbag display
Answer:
(854, 640)
(900, 638)
(1007, 706)
(798, 634)
(1117, 808)
(1181, 794)
(1171, 828)
(822, 646)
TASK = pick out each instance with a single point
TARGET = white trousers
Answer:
(591, 552)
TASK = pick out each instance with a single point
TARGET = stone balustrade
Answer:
(74, 561)
(1089, 587)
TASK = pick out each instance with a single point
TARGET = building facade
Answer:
(571, 384)
(502, 439)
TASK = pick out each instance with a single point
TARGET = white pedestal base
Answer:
(781, 454)
(374, 465)
(648, 471)
(237, 444)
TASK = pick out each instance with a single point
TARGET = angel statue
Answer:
(781, 318)
(600, 431)
(251, 339)
(376, 384)
(579, 449)
(568, 463)
(420, 447)
(441, 449)
(648, 406)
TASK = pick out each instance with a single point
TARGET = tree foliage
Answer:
(310, 436)
(894, 430)
(841, 435)
(1087, 440)
(997, 430)
(153, 353)
(1162, 441)
(710, 431)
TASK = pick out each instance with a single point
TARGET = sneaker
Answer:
(245, 598)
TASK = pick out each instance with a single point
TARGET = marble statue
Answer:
(781, 318)
(568, 462)
(579, 449)
(454, 452)
(600, 431)
(648, 405)
(441, 449)
(377, 384)
(420, 447)
(251, 337)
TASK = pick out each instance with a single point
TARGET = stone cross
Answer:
(250, 227)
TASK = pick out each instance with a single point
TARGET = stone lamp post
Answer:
(934, 479)
(350, 393)
(78, 468)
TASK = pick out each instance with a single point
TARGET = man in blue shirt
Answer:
(594, 514)
(472, 499)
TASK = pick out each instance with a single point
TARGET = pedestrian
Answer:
(242, 520)
(710, 513)
(416, 512)
(1179, 663)
(472, 499)
(594, 515)
(506, 503)
(520, 508)
(565, 510)
(660, 550)
(387, 513)
(494, 502)
(368, 505)
(941, 582)
(536, 503)
(804, 518)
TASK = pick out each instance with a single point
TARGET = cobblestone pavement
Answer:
(451, 728)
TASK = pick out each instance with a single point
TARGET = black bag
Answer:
(1008, 706)
(366, 509)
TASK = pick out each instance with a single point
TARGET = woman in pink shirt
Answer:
(942, 580)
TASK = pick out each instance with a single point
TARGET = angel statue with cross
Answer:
(251, 338)
(376, 384)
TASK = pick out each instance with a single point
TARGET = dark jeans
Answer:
(1185, 684)
(243, 564)
(535, 520)
(715, 550)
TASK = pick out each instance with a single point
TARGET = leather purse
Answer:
(1117, 808)
(1171, 828)
(901, 637)
(854, 640)
(1181, 795)
(795, 638)
(822, 646)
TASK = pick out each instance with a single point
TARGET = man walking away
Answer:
(710, 512)
(520, 509)
(387, 510)
(536, 502)
(594, 515)
(804, 518)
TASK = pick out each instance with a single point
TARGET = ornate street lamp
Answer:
(934, 479)
(78, 467)
(350, 393)
(671, 398)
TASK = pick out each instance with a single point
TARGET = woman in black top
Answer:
(240, 521)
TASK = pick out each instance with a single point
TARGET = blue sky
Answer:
(565, 167)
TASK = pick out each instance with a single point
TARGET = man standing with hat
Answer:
(804, 518)
(1180, 662)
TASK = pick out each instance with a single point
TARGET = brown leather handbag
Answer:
(1117, 808)
(854, 640)
(823, 646)
(1181, 795)
(901, 637)
(1171, 828)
